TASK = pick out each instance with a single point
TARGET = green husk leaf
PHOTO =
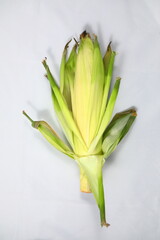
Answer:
(69, 77)
(67, 131)
(92, 166)
(116, 130)
(62, 67)
(108, 61)
(62, 103)
(51, 136)
(107, 114)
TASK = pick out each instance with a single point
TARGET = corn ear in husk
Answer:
(84, 109)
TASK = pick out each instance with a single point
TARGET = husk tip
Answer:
(76, 42)
(134, 113)
(44, 61)
(84, 34)
(26, 115)
(118, 78)
(67, 44)
(109, 47)
(105, 224)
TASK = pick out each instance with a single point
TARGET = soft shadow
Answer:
(88, 28)
(103, 45)
(43, 239)
(117, 70)
(55, 65)
(88, 197)
(44, 115)
(111, 160)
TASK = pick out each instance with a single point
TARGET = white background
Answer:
(39, 187)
